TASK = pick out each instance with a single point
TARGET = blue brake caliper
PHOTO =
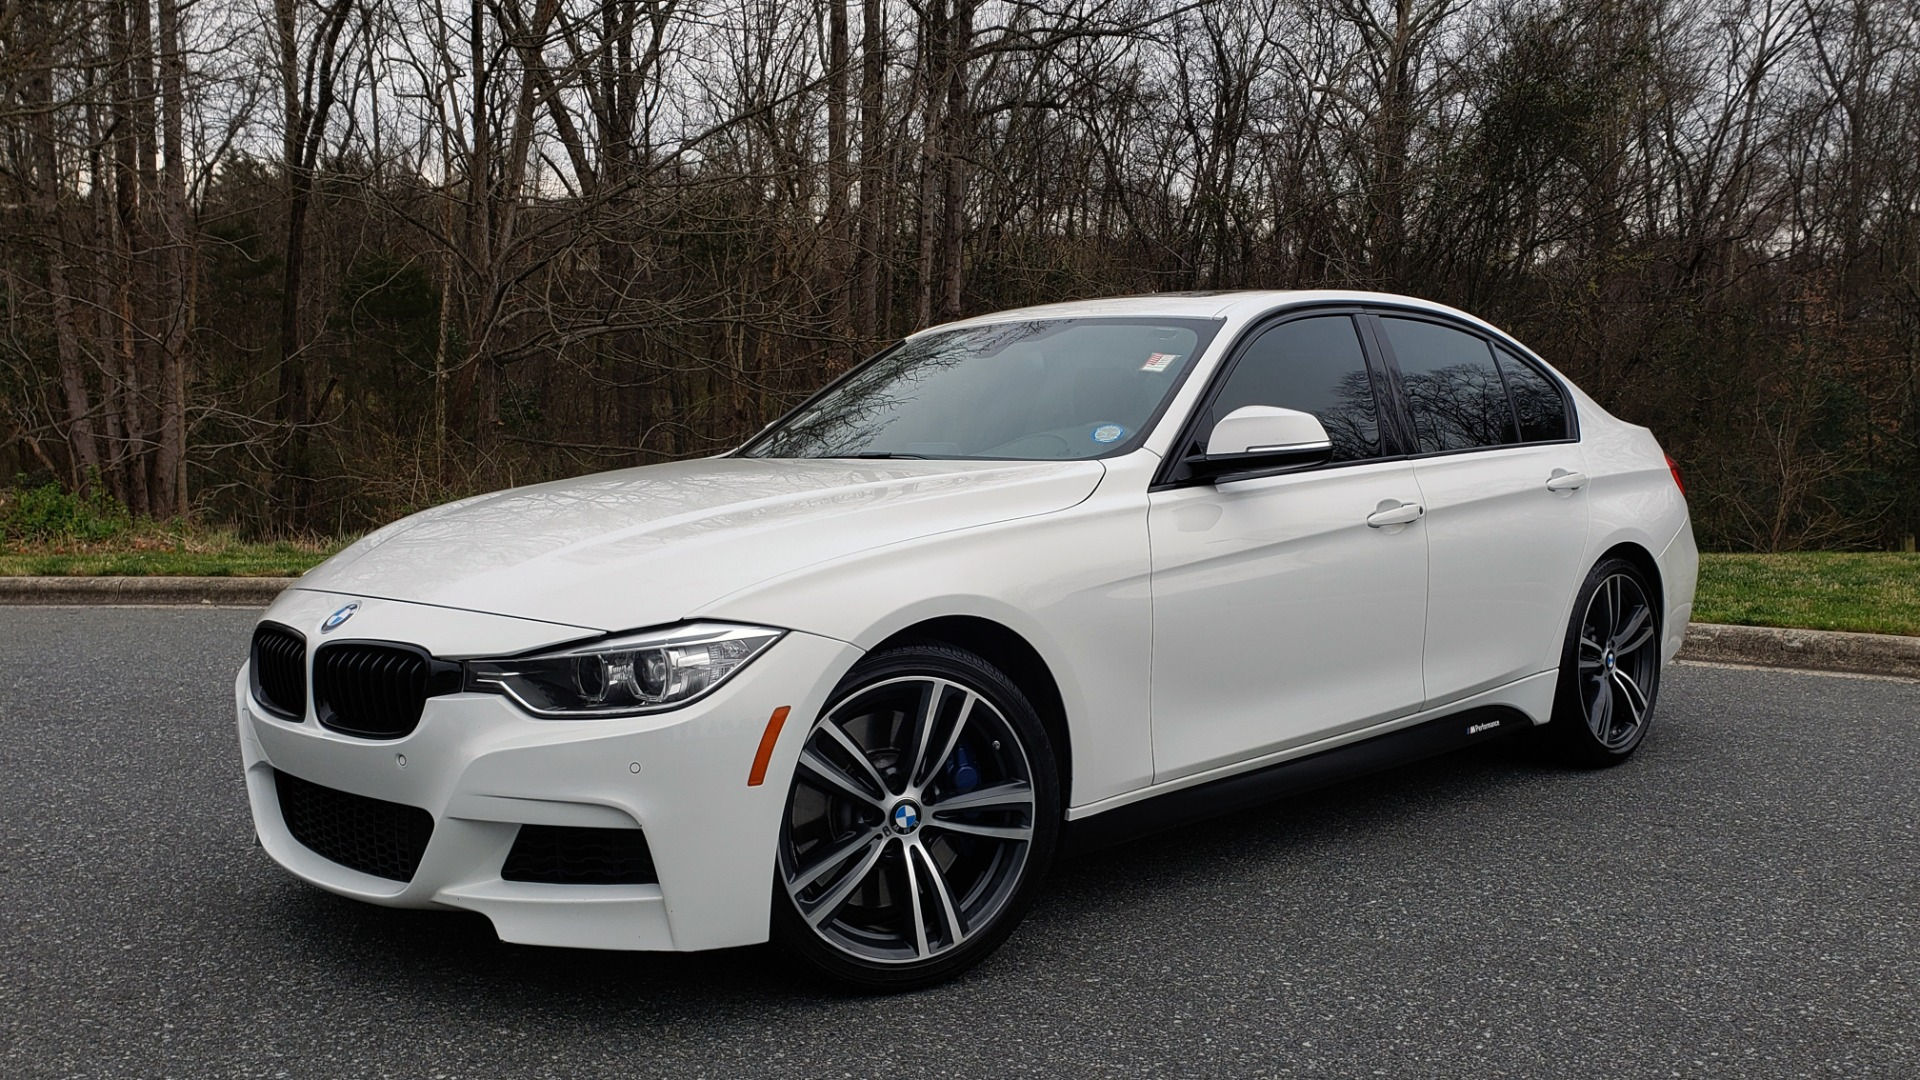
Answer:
(962, 775)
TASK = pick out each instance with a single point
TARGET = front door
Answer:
(1288, 608)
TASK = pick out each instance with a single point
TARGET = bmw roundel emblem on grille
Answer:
(338, 618)
(905, 817)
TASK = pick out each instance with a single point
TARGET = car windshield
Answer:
(1033, 390)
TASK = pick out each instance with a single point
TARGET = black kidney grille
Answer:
(558, 855)
(278, 670)
(375, 691)
(369, 835)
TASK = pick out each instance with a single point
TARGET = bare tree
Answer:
(472, 244)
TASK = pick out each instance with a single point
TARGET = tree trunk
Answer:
(478, 377)
(292, 480)
(130, 249)
(1393, 134)
(957, 126)
(104, 272)
(171, 464)
(934, 50)
(82, 445)
(873, 59)
(306, 101)
(838, 226)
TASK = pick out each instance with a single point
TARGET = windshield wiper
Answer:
(879, 455)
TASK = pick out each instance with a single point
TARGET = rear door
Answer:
(1503, 480)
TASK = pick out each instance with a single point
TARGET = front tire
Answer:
(1609, 668)
(923, 814)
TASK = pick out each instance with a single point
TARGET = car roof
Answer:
(1245, 304)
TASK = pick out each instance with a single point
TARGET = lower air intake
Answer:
(559, 855)
(369, 835)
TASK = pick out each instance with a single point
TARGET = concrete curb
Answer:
(1815, 650)
(226, 591)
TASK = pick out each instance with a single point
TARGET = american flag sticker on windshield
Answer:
(1159, 361)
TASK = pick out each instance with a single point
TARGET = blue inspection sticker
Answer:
(1107, 433)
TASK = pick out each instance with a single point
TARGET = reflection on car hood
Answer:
(644, 546)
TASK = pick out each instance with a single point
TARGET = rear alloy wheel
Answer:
(1610, 667)
(924, 809)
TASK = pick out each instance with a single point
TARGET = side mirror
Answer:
(1261, 439)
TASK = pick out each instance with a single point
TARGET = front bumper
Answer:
(482, 768)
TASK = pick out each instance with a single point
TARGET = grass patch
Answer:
(47, 532)
(235, 559)
(1872, 592)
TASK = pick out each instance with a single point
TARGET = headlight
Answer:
(627, 675)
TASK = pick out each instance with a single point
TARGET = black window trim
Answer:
(1375, 312)
(1383, 370)
(1393, 437)
(1567, 411)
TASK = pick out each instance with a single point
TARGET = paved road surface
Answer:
(1743, 899)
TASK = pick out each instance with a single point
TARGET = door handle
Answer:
(1397, 514)
(1562, 480)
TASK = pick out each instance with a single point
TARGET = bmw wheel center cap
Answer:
(339, 618)
(906, 817)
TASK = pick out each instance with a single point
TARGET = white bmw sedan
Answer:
(1083, 567)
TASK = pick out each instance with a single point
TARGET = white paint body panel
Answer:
(1499, 548)
(1193, 633)
(1075, 584)
(1279, 616)
(641, 546)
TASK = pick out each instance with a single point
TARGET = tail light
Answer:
(1674, 468)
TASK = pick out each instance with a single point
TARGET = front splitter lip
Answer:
(483, 768)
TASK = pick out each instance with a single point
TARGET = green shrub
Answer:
(47, 513)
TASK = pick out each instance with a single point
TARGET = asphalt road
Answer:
(1742, 899)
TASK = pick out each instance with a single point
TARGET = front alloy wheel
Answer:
(923, 809)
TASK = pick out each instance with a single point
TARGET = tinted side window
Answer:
(1538, 403)
(1453, 387)
(1314, 365)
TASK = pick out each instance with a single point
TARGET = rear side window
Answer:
(1453, 387)
(1538, 403)
(1314, 365)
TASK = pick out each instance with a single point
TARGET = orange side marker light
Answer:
(772, 735)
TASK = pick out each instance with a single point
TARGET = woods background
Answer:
(303, 265)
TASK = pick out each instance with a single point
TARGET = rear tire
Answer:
(921, 819)
(1609, 668)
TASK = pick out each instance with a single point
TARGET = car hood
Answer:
(643, 546)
